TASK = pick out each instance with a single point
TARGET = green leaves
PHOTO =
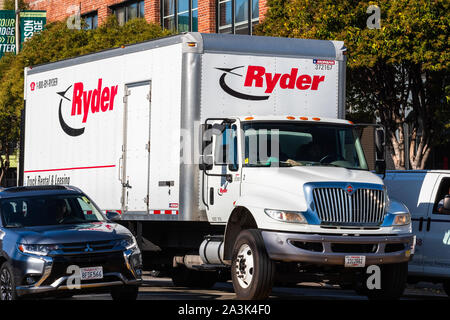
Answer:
(399, 69)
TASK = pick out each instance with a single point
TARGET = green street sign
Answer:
(31, 22)
(7, 31)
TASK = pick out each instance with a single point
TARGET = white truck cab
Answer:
(424, 192)
(221, 152)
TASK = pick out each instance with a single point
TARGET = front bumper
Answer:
(52, 278)
(332, 249)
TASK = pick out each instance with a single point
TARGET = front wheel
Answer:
(7, 283)
(393, 282)
(252, 271)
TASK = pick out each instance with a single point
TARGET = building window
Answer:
(237, 16)
(128, 10)
(179, 15)
(90, 20)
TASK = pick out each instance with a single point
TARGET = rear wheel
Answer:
(252, 271)
(393, 282)
(7, 283)
(125, 293)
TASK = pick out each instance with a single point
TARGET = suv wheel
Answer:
(7, 283)
(125, 293)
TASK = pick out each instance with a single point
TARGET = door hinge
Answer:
(149, 96)
(146, 200)
(147, 146)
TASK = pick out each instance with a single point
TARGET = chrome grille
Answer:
(335, 205)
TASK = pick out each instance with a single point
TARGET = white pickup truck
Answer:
(423, 193)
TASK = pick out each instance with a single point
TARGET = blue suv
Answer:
(55, 240)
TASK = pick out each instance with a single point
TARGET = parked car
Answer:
(424, 192)
(54, 239)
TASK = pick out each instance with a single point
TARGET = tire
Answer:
(125, 293)
(184, 277)
(446, 285)
(252, 271)
(393, 282)
(7, 283)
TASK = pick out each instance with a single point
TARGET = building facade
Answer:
(1, 4)
(209, 16)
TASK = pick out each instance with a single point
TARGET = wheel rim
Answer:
(244, 266)
(5, 285)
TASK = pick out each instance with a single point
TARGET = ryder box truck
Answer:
(223, 153)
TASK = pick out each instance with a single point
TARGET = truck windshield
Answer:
(48, 211)
(302, 144)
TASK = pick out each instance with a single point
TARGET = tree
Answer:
(55, 43)
(397, 73)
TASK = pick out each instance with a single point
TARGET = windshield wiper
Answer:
(14, 225)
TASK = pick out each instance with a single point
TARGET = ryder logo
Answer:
(258, 77)
(85, 102)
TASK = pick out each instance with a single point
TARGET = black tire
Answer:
(125, 293)
(263, 272)
(184, 277)
(393, 282)
(446, 285)
(7, 283)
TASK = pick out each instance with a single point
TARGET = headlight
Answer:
(286, 216)
(37, 249)
(129, 242)
(402, 219)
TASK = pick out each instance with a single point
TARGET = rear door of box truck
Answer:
(89, 122)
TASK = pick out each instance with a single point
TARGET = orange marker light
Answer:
(316, 119)
(290, 118)
(249, 118)
(351, 122)
(303, 118)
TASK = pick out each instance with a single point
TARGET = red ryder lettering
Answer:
(98, 99)
(257, 74)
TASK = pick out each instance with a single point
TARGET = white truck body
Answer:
(421, 192)
(125, 126)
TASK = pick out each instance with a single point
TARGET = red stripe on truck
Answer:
(65, 169)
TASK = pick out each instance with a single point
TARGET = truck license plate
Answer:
(91, 273)
(355, 261)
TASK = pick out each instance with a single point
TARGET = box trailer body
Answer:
(422, 191)
(137, 127)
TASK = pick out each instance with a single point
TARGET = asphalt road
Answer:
(163, 289)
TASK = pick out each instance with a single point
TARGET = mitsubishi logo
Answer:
(88, 248)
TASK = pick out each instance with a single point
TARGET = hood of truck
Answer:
(283, 183)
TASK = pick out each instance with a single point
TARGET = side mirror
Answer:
(380, 167)
(206, 162)
(113, 215)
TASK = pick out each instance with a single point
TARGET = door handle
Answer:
(211, 196)
(120, 169)
(428, 224)
(420, 223)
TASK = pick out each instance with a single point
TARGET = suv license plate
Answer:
(355, 261)
(91, 273)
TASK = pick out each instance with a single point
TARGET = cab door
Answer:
(223, 185)
(436, 244)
